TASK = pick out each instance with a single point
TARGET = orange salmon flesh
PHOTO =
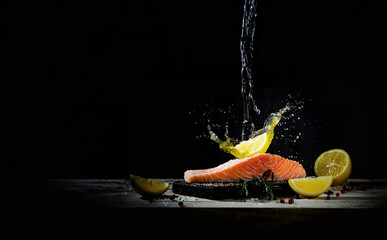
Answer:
(244, 169)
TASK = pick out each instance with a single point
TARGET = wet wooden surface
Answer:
(366, 194)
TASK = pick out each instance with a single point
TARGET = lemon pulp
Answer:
(311, 186)
(335, 163)
(148, 187)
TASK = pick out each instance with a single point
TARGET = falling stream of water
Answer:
(247, 52)
(249, 105)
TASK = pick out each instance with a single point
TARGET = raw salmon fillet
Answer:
(244, 169)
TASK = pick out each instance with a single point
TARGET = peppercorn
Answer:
(172, 197)
(291, 201)
(282, 201)
(337, 194)
(342, 191)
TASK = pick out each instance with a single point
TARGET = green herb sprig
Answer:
(260, 187)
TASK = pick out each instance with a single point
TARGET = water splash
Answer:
(288, 137)
(229, 144)
(249, 104)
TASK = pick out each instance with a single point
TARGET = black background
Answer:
(98, 90)
(94, 89)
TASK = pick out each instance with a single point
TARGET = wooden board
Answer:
(118, 193)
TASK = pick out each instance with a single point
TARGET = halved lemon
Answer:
(335, 163)
(258, 144)
(311, 186)
(148, 187)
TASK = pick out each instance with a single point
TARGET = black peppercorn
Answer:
(172, 197)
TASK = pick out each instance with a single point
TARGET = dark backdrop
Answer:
(97, 90)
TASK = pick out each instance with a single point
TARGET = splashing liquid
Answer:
(247, 50)
(250, 136)
(253, 141)
(243, 149)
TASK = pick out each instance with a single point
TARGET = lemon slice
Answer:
(336, 163)
(258, 144)
(259, 141)
(148, 187)
(311, 186)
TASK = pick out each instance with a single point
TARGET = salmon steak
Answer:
(245, 169)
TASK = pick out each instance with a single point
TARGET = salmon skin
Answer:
(245, 169)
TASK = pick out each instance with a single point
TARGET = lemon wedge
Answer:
(262, 140)
(259, 141)
(311, 186)
(148, 187)
(258, 144)
(335, 163)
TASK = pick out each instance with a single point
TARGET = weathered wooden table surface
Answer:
(110, 209)
(118, 193)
